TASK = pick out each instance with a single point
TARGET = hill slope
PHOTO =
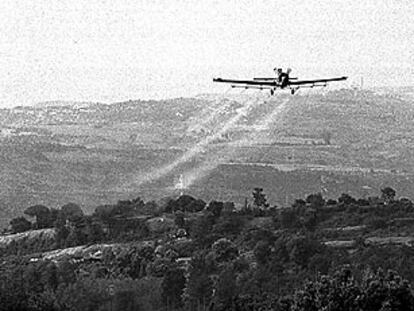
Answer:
(221, 146)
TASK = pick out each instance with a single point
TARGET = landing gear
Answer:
(272, 92)
(293, 90)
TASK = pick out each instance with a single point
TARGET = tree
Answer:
(185, 203)
(224, 250)
(338, 293)
(172, 288)
(230, 225)
(406, 204)
(159, 267)
(320, 262)
(250, 237)
(259, 198)
(331, 202)
(126, 300)
(226, 289)
(309, 220)
(289, 219)
(94, 231)
(42, 214)
(179, 219)
(299, 204)
(196, 206)
(20, 224)
(377, 291)
(71, 211)
(199, 286)
(362, 202)
(201, 228)
(62, 231)
(66, 271)
(262, 252)
(301, 249)
(346, 199)
(228, 208)
(49, 275)
(315, 200)
(13, 295)
(388, 194)
(215, 208)
(152, 208)
(82, 294)
(75, 238)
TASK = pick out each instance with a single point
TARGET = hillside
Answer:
(222, 146)
(186, 253)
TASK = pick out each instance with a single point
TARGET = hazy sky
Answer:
(117, 50)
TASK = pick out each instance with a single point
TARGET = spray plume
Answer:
(196, 173)
(200, 146)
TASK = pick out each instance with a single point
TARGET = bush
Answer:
(20, 224)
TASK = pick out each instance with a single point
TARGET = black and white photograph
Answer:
(183, 155)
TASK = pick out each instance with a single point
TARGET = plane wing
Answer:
(248, 82)
(271, 79)
(301, 82)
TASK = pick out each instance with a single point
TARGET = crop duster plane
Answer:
(282, 80)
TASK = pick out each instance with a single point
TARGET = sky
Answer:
(110, 51)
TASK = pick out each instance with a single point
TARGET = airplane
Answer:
(282, 81)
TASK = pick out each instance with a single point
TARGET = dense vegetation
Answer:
(185, 254)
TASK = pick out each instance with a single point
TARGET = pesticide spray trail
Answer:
(265, 122)
(210, 113)
(199, 147)
(191, 176)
